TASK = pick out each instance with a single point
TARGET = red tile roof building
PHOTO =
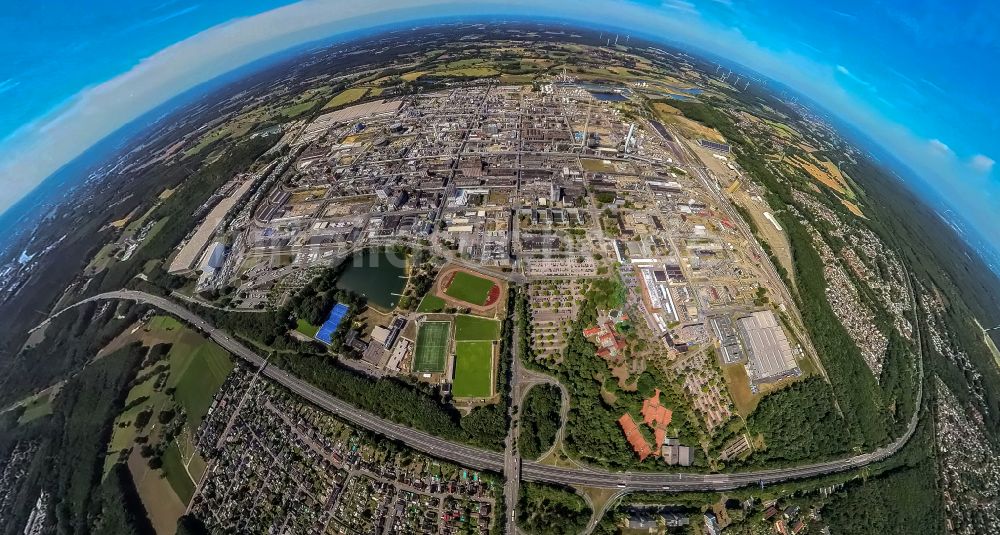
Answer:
(634, 436)
(657, 417)
(592, 331)
(609, 343)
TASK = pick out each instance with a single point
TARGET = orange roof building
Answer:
(657, 417)
(634, 436)
(606, 339)
(610, 344)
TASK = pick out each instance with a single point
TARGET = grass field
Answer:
(473, 370)
(195, 367)
(101, 260)
(739, 388)
(306, 328)
(469, 288)
(161, 502)
(40, 405)
(432, 347)
(431, 303)
(163, 323)
(473, 328)
(176, 474)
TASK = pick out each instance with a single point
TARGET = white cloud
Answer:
(981, 163)
(846, 72)
(939, 147)
(933, 86)
(809, 46)
(8, 84)
(680, 5)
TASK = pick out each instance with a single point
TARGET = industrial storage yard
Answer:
(510, 184)
(550, 187)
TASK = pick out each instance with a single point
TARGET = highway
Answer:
(494, 461)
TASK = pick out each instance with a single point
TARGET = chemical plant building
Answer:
(729, 343)
(769, 353)
(212, 262)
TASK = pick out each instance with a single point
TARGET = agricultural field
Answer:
(473, 370)
(852, 207)
(346, 97)
(199, 374)
(471, 328)
(176, 474)
(157, 496)
(181, 378)
(297, 109)
(432, 347)
(692, 129)
(479, 68)
(235, 128)
(469, 288)
(824, 172)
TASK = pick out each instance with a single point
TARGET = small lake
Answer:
(686, 90)
(674, 96)
(376, 274)
(608, 97)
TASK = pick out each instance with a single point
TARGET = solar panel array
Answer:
(718, 147)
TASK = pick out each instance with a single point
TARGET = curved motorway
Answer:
(494, 461)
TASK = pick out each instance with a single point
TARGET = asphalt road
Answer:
(494, 461)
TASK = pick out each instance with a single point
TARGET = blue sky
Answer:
(918, 76)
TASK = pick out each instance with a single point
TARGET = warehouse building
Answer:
(769, 353)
